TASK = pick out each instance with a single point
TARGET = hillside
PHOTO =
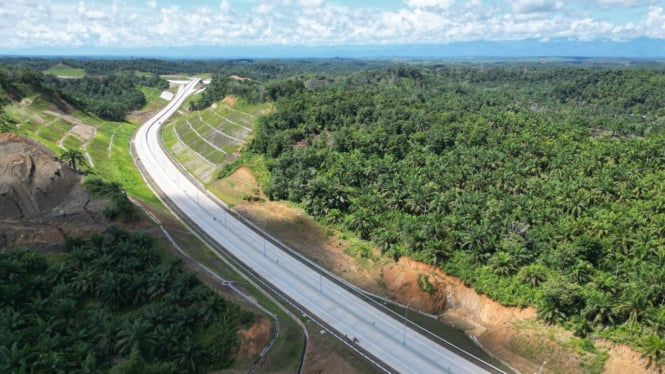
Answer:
(91, 285)
(538, 186)
(41, 200)
(34, 108)
(206, 140)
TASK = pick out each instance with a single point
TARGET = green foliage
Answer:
(537, 185)
(110, 97)
(122, 208)
(424, 284)
(249, 90)
(65, 71)
(113, 305)
(73, 158)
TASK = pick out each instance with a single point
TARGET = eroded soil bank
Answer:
(513, 335)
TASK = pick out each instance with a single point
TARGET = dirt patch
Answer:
(231, 100)
(624, 360)
(254, 339)
(26, 102)
(238, 186)
(41, 200)
(526, 344)
(83, 131)
(325, 355)
(140, 116)
(32, 183)
(239, 78)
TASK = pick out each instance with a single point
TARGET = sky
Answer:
(52, 26)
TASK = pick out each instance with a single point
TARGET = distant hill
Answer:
(639, 48)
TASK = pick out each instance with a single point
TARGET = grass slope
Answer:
(109, 148)
(204, 141)
(65, 71)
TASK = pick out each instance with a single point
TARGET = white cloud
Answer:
(225, 6)
(264, 7)
(536, 6)
(122, 23)
(655, 23)
(604, 4)
(311, 3)
(443, 4)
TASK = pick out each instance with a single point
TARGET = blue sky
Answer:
(112, 25)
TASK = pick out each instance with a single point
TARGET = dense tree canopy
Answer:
(537, 185)
(111, 97)
(111, 305)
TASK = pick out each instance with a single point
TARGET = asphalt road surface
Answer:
(397, 346)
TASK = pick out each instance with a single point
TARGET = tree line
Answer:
(114, 304)
(110, 96)
(540, 186)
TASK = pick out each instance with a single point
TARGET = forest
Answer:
(538, 185)
(260, 69)
(111, 96)
(112, 303)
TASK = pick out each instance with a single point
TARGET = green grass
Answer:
(55, 258)
(142, 74)
(53, 132)
(152, 96)
(66, 71)
(114, 166)
(72, 142)
(117, 165)
(208, 124)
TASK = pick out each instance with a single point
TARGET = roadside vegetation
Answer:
(537, 185)
(113, 304)
(33, 109)
(40, 110)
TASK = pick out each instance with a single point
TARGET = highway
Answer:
(397, 346)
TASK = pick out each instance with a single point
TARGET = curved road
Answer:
(398, 347)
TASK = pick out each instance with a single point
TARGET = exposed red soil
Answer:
(514, 335)
(254, 339)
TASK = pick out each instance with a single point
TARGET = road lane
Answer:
(402, 349)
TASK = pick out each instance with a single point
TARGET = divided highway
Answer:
(398, 347)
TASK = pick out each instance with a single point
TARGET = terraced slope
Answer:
(203, 141)
(61, 127)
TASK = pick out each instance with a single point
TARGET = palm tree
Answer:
(14, 359)
(169, 338)
(502, 263)
(135, 333)
(73, 157)
(111, 289)
(210, 307)
(653, 347)
(189, 353)
(85, 280)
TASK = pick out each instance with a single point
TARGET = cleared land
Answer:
(205, 140)
(65, 71)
